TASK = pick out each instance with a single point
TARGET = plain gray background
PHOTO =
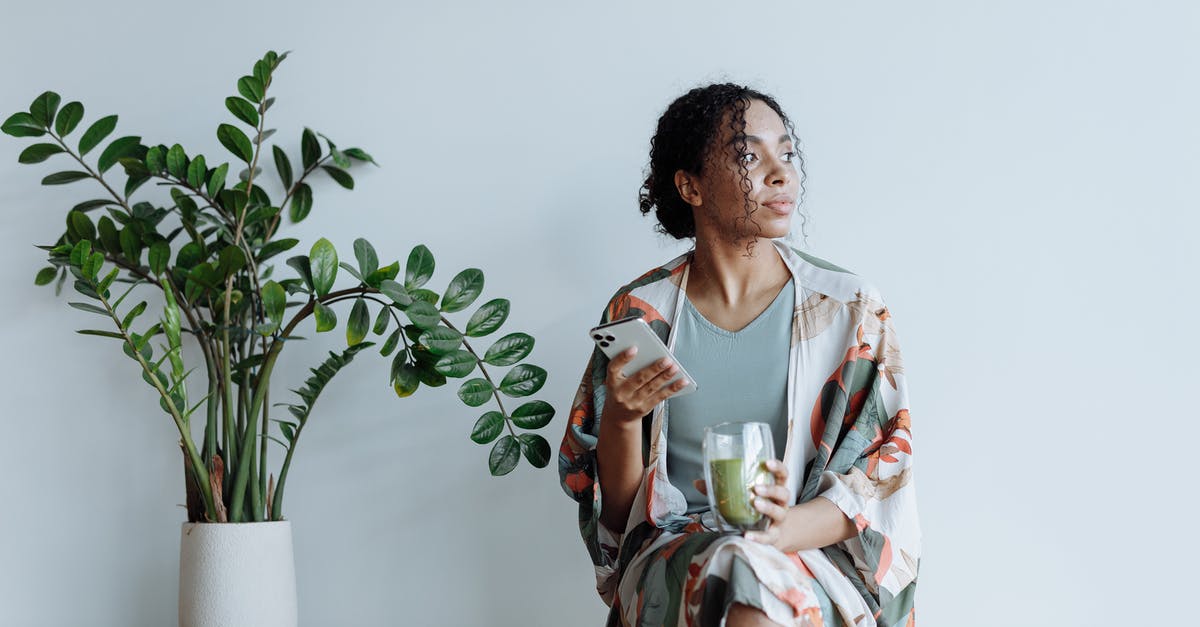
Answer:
(1018, 178)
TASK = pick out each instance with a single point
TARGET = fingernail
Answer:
(631, 350)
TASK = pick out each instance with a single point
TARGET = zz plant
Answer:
(207, 252)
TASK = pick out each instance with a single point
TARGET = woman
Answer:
(771, 334)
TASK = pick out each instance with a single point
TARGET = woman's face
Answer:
(770, 161)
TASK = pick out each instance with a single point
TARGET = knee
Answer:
(741, 615)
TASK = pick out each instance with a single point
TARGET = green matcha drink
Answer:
(732, 483)
(735, 460)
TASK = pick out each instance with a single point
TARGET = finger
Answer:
(648, 380)
(667, 390)
(777, 493)
(658, 377)
(618, 362)
(701, 486)
(769, 508)
(778, 470)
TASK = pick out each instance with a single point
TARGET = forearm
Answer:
(817, 524)
(619, 469)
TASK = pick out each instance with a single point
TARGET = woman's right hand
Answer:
(630, 398)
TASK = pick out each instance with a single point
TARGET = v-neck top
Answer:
(742, 377)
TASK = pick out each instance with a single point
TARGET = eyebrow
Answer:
(755, 139)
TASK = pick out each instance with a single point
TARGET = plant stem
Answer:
(180, 423)
(495, 388)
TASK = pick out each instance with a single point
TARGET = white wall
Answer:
(1018, 178)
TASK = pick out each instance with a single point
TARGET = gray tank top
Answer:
(742, 376)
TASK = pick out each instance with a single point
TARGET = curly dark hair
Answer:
(684, 140)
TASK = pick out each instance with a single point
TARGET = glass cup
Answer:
(735, 456)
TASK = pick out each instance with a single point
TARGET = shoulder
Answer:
(649, 294)
(820, 276)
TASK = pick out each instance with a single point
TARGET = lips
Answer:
(780, 204)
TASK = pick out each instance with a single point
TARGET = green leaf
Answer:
(535, 448)
(360, 319)
(342, 177)
(475, 393)
(68, 118)
(230, 260)
(216, 181)
(357, 153)
(390, 343)
(60, 178)
(423, 314)
(196, 171)
(464, 288)
(44, 107)
(505, 455)
(386, 273)
(45, 276)
(523, 380)
(381, 320)
(110, 239)
(488, 427)
(533, 415)
(429, 376)
(88, 205)
(82, 225)
(251, 88)
(301, 202)
(284, 166)
(90, 308)
(160, 255)
(441, 340)
(396, 292)
(156, 159)
(38, 153)
(22, 125)
(131, 245)
(324, 266)
(351, 269)
(457, 364)
(274, 248)
(112, 334)
(405, 379)
(242, 110)
(326, 318)
(368, 261)
(310, 149)
(177, 162)
(509, 349)
(133, 314)
(420, 267)
(304, 268)
(288, 429)
(488, 318)
(120, 147)
(96, 133)
(232, 138)
(274, 301)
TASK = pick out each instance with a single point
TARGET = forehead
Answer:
(762, 124)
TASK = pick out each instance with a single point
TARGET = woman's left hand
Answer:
(773, 502)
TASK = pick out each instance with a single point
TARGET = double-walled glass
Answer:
(735, 456)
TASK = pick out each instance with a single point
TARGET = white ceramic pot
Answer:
(237, 574)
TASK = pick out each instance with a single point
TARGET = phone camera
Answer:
(597, 337)
(604, 344)
(609, 338)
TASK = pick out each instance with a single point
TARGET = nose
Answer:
(780, 173)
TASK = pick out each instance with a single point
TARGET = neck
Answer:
(723, 272)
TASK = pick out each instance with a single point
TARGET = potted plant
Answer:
(209, 251)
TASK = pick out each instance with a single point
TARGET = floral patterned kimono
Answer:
(846, 391)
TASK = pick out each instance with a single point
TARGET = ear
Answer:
(688, 189)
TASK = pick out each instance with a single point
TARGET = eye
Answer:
(791, 156)
(748, 157)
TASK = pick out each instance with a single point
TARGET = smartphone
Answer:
(617, 336)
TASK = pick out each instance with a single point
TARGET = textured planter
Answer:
(237, 574)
